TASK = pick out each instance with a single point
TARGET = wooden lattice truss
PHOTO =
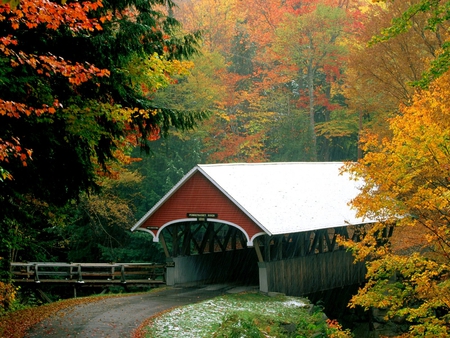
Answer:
(191, 238)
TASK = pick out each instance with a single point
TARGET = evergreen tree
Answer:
(75, 84)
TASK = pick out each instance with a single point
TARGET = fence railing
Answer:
(93, 273)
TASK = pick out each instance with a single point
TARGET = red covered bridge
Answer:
(274, 224)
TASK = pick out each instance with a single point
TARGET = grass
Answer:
(248, 315)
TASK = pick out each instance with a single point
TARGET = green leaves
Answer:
(437, 14)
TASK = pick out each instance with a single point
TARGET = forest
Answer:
(105, 105)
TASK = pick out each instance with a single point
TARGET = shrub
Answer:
(7, 296)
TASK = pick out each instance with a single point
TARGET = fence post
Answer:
(80, 276)
(36, 274)
(122, 274)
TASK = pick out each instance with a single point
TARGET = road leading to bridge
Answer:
(119, 316)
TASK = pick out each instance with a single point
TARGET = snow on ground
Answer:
(295, 303)
(189, 321)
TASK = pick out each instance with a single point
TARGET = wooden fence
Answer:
(88, 273)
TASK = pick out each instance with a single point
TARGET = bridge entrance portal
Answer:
(208, 251)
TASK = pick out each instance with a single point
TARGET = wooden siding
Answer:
(317, 272)
(198, 195)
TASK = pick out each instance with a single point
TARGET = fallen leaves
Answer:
(16, 324)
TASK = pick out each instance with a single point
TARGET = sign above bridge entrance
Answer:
(201, 216)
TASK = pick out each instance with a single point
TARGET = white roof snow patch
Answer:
(289, 197)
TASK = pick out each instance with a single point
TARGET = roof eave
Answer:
(329, 226)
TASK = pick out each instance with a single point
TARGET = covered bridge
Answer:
(274, 224)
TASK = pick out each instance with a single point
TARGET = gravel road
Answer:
(119, 316)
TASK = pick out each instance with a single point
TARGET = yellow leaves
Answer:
(408, 170)
(407, 176)
(156, 72)
(7, 296)
(12, 3)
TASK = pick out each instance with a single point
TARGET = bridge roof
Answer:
(283, 197)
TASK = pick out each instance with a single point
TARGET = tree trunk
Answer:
(312, 122)
(360, 127)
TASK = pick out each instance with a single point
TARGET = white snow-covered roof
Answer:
(284, 197)
(290, 196)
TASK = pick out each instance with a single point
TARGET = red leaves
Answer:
(11, 148)
(31, 14)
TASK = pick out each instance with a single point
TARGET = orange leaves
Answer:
(12, 148)
(49, 65)
(5, 41)
(32, 13)
(52, 15)
(16, 110)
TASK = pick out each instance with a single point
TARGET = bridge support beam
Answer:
(263, 280)
(170, 271)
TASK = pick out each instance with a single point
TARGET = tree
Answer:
(407, 184)
(437, 13)
(74, 96)
(262, 85)
(289, 139)
(105, 218)
(215, 18)
(380, 75)
(310, 43)
(171, 158)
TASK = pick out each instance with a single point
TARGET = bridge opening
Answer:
(211, 252)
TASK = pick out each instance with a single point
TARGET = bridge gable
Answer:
(197, 195)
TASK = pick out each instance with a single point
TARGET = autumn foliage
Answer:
(282, 61)
(7, 296)
(77, 80)
(32, 15)
(407, 184)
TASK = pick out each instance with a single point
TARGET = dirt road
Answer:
(118, 317)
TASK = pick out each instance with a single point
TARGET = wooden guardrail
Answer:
(92, 273)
